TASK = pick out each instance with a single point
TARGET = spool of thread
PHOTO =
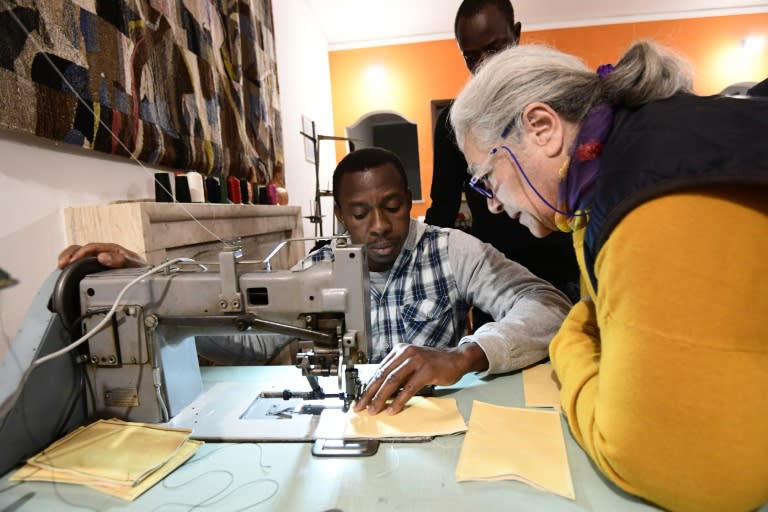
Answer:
(182, 189)
(195, 182)
(282, 195)
(263, 195)
(272, 193)
(163, 190)
(223, 190)
(246, 198)
(233, 189)
(213, 189)
(251, 190)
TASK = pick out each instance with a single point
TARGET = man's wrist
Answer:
(473, 357)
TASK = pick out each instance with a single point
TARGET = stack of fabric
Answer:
(120, 458)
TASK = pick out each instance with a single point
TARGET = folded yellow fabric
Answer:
(113, 452)
(422, 417)
(33, 473)
(540, 386)
(509, 443)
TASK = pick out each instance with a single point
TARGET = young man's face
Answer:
(374, 206)
(484, 34)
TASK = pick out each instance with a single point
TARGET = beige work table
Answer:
(283, 476)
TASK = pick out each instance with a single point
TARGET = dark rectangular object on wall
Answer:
(402, 139)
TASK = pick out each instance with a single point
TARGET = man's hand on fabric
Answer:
(409, 368)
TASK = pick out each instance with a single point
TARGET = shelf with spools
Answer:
(158, 231)
(316, 217)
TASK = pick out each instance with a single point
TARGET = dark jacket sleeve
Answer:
(448, 175)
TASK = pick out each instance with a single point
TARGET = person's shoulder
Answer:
(463, 244)
(461, 238)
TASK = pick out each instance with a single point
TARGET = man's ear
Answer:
(544, 127)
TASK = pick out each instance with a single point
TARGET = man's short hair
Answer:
(362, 160)
(469, 8)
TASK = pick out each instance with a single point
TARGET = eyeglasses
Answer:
(481, 173)
(480, 182)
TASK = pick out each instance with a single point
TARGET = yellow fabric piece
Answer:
(664, 374)
(540, 386)
(509, 443)
(29, 472)
(112, 451)
(422, 417)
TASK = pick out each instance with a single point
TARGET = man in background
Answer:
(483, 28)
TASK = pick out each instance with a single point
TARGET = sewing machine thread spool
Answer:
(213, 189)
(195, 183)
(182, 189)
(244, 193)
(233, 189)
(223, 190)
(163, 190)
(263, 195)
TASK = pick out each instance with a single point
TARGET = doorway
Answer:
(390, 130)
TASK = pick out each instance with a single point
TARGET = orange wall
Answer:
(405, 78)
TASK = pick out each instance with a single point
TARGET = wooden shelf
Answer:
(158, 231)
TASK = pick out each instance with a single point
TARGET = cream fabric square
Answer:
(422, 417)
(541, 387)
(509, 443)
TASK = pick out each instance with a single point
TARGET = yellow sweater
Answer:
(665, 373)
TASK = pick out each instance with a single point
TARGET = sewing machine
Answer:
(141, 364)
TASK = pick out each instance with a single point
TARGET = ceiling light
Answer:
(753, 44)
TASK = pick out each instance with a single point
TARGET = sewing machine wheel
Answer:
(65, 299)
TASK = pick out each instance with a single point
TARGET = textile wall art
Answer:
(187, 84)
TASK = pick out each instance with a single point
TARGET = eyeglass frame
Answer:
(477, 180)
(474, 182)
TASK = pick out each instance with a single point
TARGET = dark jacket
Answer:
(668, 146)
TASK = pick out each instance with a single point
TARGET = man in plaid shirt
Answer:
(424, 279)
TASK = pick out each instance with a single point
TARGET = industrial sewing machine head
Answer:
(142, 362)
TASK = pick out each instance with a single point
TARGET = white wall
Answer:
(38, 178)
(305, 88)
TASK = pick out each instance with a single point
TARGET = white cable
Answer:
(111, 312)
(10, 403)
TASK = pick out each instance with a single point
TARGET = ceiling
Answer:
(363, 23)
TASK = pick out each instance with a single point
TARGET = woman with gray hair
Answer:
(662, 364)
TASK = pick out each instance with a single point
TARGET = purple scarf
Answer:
(577, 178)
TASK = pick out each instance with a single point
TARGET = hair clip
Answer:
(604, 70)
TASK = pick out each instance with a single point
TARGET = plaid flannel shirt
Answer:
(420, 303)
